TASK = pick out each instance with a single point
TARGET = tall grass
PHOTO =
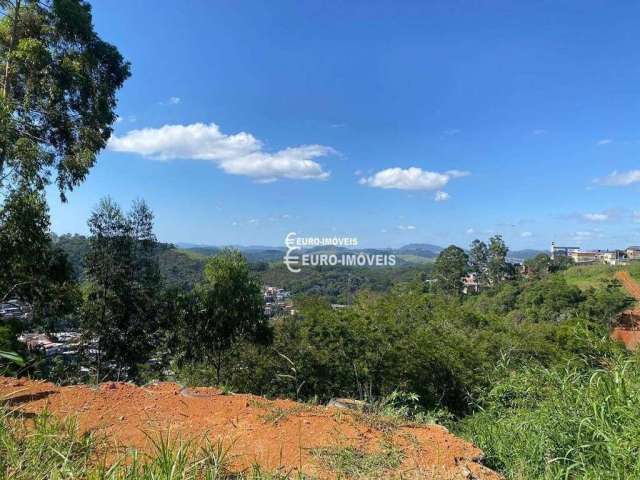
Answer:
(562, 423)
(585, 276)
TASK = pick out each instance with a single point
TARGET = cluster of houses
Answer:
(277, 301)
(585, 257)
(66, 344)
(14, 308)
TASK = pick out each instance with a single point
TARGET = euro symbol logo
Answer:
(291, 261)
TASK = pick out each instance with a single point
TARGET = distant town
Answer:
(609, 257)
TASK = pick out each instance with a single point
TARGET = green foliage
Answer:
(57, 101)
(12, 357)
(33, 269)
(341, 284)
(448, 270)
(9, 359)
(225, 307)
(552, 298)
(585, 276)
(123, 283)
(563, 422)
(479, 261)
(497, 267)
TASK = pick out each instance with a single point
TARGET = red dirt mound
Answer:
(627, 325)
(279, 435)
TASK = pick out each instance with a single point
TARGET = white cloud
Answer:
(170, 101)
(604, 141)
(470, 231)
(412, 178)
(619, 179)
(526, 234)
(441, 196)
(595, 217)
(238, 154)
(406, 227)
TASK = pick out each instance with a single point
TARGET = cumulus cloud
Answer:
(619, 179)
(604, 141)
(526, 234)
(441, 196)
(595, 217)
(238, 154)
(470, 231)
(412, 178)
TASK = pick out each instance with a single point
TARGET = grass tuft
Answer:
(354, 462)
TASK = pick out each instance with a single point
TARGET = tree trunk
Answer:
(219, 367)
(6, 90)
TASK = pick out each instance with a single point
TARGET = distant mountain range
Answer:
(182, 264)
(407, 254)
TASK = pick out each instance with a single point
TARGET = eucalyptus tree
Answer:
(123, 287)
(58, 84)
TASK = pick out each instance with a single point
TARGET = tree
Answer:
(538, 266)
(58, 84)
(122, 270)
(479, 260)
(226, 305)
(449, 269)
(33, 269)
(497, 267)
(24, 241)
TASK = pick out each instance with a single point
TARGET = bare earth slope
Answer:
(279, 435)
(627, 329)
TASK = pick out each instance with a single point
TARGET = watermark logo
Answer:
(295, 257)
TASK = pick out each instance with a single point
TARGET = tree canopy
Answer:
(58, 84)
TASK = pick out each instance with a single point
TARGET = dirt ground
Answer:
(627, 329)
(278, 435)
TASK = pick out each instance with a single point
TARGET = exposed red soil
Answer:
(278, 435)
(627, 326)
(629, 284)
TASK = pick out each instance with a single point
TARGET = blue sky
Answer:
(393, 122)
